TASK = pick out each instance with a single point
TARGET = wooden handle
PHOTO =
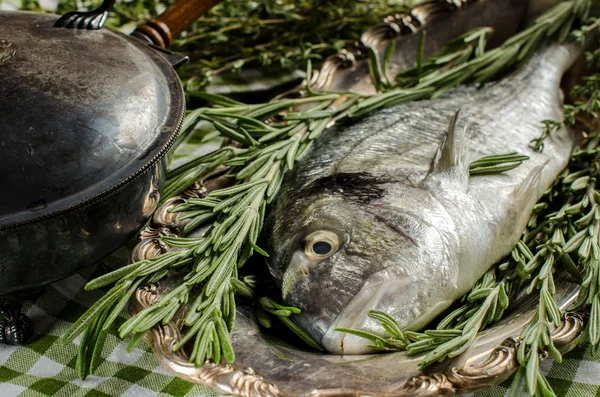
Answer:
(176, 18)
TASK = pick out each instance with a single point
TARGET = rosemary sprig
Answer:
(496, 164)
(270, 138)
(281, 35)
(563, 235)
(283, 313)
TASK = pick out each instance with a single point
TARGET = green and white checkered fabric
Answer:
(46, 368)
(577, 376)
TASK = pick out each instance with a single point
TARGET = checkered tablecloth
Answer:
(46, 368)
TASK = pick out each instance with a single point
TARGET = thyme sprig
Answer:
(586, 97)
(269, 139)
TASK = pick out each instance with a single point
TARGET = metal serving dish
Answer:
(266, 366)
(269, 366)
(87, 116)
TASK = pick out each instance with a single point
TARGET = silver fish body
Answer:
(383, 215)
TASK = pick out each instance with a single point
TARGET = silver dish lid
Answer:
(82, 113)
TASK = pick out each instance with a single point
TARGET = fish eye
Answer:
(321, 244)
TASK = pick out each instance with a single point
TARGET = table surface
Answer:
(46, 368)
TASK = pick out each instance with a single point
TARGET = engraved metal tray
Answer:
(268, 366)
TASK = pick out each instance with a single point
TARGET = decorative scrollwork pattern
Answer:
(7, 51)
(392, 28)
(225, 379)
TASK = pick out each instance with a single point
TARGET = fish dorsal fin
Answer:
(527, 191)
(451, 155)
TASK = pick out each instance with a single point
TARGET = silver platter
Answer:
(267, 366)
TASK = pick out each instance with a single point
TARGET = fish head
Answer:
(340, 251)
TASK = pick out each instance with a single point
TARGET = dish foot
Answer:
(15, 328)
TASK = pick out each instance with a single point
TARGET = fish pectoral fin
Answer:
(526, 192)
(451, 155)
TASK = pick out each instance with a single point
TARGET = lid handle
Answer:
(87, 20)
(176, 18)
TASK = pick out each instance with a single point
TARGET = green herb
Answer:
(284, 314)
(275, 34)
(270, 138)
(496, 164)
(563, 235)
(464, 59)
(586, 97)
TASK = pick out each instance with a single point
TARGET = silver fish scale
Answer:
(416, 241)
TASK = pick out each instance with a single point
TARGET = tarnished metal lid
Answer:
(82, 112)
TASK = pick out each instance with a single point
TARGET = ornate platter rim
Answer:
(499, 364)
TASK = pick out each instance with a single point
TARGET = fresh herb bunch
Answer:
(240, 34)
(282, 34)
(270, 138)
(562, 236)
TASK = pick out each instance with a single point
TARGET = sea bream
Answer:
(382, 214)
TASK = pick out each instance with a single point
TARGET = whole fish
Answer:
(383, 214)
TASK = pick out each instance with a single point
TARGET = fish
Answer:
(383, 215)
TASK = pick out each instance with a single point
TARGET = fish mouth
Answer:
(374, 294)
(390, 290)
